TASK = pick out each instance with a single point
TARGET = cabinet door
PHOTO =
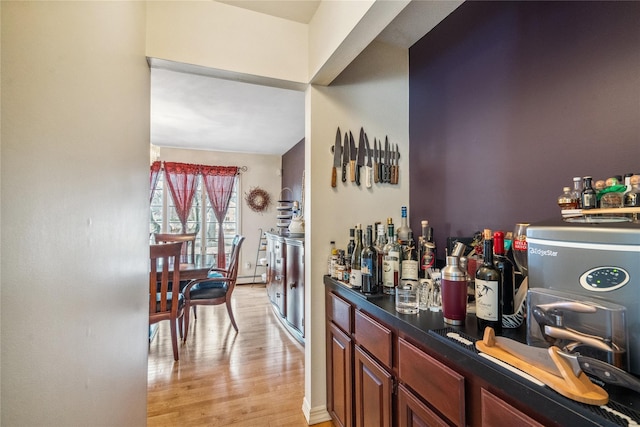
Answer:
(413, 413)
(339, 376)
(373, 388)
(271, 262)
(295, 286)
(278, 285)
(498, 413)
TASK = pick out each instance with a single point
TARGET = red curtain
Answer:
(155, 173)
(181, 178)
(219, 182)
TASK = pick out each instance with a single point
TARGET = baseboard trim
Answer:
(316, 415)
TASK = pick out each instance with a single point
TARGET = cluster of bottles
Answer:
(380, 264)
(494, 284)
(614, 192)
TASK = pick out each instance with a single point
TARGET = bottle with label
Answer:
(403, 230)
(426, 250)
(632, 198)
(332, 258)
(408, 259)
(566, 200)
(504, 265)
(488, 292)
(369, 264)
(379, 245)
(391, 262)
(576, 193)
(588, 198)
(355, 278)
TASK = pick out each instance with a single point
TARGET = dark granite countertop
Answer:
(429, 330)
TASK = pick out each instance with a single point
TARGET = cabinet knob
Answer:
(292, 285)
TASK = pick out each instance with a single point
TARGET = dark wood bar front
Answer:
(433, 378)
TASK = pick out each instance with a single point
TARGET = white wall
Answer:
(75, 153)
(262, 171)
(225, 37)
(373, 92)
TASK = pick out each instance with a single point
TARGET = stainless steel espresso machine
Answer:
(597, 261)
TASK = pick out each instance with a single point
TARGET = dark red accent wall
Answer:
(292, 169)
(510, 100)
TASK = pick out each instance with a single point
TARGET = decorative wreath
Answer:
(257, 199)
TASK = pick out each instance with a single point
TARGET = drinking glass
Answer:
(407, 297)
(520, 247)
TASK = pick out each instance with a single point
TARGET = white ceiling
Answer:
(197, 108)
(207, 113)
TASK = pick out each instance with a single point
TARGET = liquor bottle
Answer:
(504, 265)
(379, 245)
(576, 193)
(627, 182)
(426, 250)
(391, 262)
(488, 292)
(566, 199)
(350, 247)
(588, 198)
(632, 198)
(408, 259)
(403, 230)
(368, 268)
(355, 278)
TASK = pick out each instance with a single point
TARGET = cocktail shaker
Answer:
(454, 292)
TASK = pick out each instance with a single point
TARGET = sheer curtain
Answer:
(182, 180)
(155, 173)
(219, 182)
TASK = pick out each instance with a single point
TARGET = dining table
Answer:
(197, 270)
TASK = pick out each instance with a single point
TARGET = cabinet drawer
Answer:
(412, 412)
(340, 312)
(436, 383)
(498, 413)
(374, 337)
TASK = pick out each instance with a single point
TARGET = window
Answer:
(163, 218)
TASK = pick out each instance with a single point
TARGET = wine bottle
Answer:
(379, 245)
(426, 250)
(403, 230)
(355, 278)
(504, 265)
(588, 197)
(408, 259)
(488, 292)
(350, 247)
(368, 264)
(391, 262)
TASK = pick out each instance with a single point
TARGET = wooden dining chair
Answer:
(188, 255)
(216, 289)
(163, 303)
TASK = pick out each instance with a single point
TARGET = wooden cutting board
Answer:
(578, 388)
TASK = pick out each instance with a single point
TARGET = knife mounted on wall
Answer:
(352, 158)
(345, 157)
(337, 152)
(360, 156)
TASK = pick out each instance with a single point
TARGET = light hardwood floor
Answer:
(253, 378)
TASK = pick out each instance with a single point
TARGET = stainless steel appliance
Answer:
(600, 260)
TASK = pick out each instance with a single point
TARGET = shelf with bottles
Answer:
(569, 213)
